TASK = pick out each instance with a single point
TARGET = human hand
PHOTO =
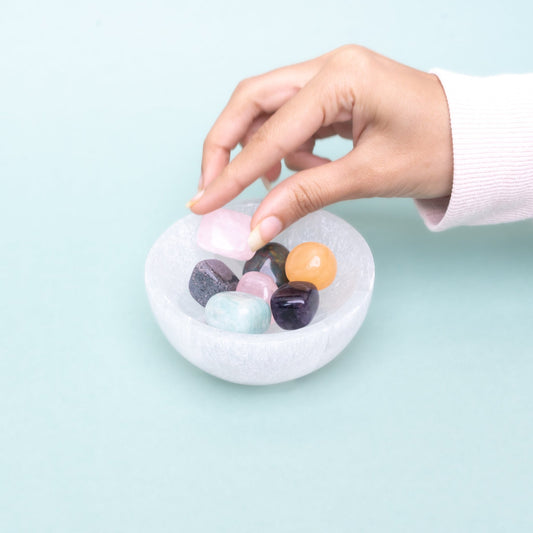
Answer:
(397, 117)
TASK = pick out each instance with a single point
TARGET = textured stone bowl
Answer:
(277, 355)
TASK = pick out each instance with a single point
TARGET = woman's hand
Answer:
(397, 117)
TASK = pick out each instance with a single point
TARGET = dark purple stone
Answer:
(210, 277)
(294, 304)
(270, 260)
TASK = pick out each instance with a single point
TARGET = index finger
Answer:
(288, 128)
(260, 95)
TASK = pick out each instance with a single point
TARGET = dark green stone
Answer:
(269, 260)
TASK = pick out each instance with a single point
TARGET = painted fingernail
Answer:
(264, 232)
(195, 198)
(267, 183)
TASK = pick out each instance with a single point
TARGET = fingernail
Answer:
(264, 232)
(195, 198)
(267, 183)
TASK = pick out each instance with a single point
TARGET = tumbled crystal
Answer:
(238, 311)
(270, 260)
(210, 277)
(294, 304)
(258, 284)
(225, 232)
(313, 262)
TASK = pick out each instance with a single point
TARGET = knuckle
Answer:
(244, 88)
(305, 199)
(349, 50)
(261, 136)
(346, 53)
(350, 55)
(209, 144)
(234, 178)
(265, 139)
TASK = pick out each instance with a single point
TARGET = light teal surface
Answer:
(423, 424)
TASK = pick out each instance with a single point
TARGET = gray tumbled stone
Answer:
(210, 277)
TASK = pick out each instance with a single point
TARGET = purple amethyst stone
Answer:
(210, 277)
(294, 304)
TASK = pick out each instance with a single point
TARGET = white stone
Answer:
(277, 355)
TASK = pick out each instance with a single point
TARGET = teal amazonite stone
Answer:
(238, 311)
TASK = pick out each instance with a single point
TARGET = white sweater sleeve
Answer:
(492, 134)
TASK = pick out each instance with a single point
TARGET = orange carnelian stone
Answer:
(313, 262)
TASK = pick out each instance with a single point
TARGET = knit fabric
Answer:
(492, 134)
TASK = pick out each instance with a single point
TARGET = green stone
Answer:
(239, 312)
(270, 260)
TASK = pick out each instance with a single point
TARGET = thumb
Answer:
(305, 192)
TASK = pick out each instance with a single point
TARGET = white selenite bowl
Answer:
(277, 355)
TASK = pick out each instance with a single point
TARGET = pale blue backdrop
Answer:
(423, 424)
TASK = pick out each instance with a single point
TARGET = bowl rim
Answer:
(357, 298)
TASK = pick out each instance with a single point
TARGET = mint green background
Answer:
(424, 423)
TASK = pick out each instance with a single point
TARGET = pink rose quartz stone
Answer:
(258, 284)
(225, 232)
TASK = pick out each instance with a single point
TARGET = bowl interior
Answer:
(178, 253)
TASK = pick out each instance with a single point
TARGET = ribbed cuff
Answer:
(492, 134)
